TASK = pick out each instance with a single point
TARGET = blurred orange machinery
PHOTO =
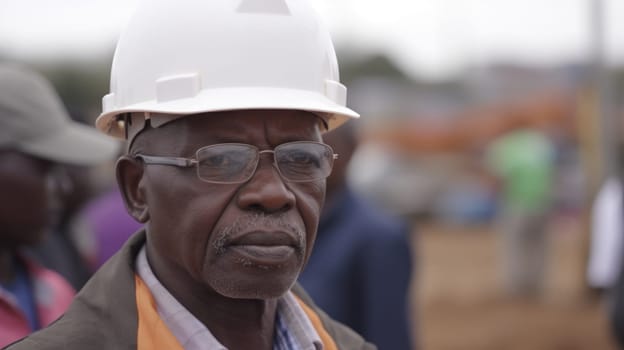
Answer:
(472, 128)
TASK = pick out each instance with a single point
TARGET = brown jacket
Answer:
(104, 314)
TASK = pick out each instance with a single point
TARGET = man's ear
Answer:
(130, 179)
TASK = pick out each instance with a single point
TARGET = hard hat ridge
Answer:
(263, 6)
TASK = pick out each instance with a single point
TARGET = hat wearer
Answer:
(33, 120)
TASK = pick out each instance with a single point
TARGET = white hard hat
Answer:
(183, 57)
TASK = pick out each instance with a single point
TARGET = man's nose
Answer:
(266, 190)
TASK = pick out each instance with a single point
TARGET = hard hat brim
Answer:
(224, 99)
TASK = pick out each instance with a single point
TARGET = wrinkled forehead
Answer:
(135, 122)
(274, 126)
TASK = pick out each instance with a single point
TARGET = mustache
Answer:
(250, 221)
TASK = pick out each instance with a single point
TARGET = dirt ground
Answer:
(460, 305)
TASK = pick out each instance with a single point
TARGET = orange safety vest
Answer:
(153, 333)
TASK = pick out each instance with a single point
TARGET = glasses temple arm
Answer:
(175, 161)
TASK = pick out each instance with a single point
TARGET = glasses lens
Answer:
(304, 161)
(226, 163)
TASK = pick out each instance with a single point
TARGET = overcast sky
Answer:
(427, 37)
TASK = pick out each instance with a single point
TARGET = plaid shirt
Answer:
(293, 329)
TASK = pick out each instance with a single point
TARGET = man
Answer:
(36, 135)
(360, 270)
(223, 104)
(523, 161)
(60, 249)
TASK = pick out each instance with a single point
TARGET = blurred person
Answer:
(523, 161)
(223, 105)
(607, 231)
(99, 226)
(606, 266)
(361, 267)
(36, 136)
(103, 225)
(615, 296)
(607, 227)
(59, 250)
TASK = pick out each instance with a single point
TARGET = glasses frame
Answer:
(182, 162)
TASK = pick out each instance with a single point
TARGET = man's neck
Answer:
(235, 323)
(241, 324)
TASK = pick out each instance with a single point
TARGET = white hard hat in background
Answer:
(191, 56)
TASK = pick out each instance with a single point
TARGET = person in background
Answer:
(36, 136)
(523, 160)
(606, 262)
(607, 240)
(361, 268)
(59, 250)
(105, 225)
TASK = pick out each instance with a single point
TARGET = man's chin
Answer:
(266, 289)
(239, 277)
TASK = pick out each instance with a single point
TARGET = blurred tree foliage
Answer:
(81, 86)
(82, 83)
(353, 66)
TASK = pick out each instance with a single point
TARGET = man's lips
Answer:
(264, 254)
(266, 248)
(264, 238)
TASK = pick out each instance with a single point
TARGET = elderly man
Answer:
(223, 104)
(36, 135)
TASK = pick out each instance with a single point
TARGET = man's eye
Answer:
(216, 160)
(302, 158)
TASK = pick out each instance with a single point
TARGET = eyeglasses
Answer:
(232, 163)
